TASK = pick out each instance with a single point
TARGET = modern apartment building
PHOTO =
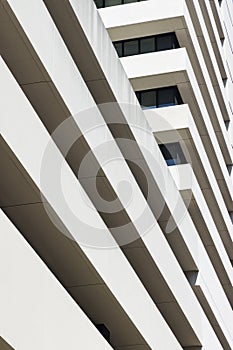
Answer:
(116, 180)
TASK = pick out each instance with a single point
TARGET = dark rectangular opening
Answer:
(108, 3)
(173, 153)
(161, 97)
(130, 48)
(147, 44)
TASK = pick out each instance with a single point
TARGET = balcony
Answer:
(37, 312)
(175, 16)
(162, 69)
(202, 218)
(176, 124)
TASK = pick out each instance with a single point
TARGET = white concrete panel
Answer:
(119, 275)
(178, 118)
(141, 12)
(36, 311)
(175, 62)
(148, 26)
(123, 286)
(210, 344)
(218, 302)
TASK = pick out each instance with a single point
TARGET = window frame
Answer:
(177, 97)
(123, 48)
(180, 156)
(173, 36)
(122, 3)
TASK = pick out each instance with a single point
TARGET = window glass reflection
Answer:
(112, 3)
(161, 97)
(99, 3)
(166, 42)
(166, 97)
(148, 99)
(131, 48)
(147, 45)
(119, 49)
(173, 153)
(107, 3)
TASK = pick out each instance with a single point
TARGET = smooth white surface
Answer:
(36, 311)
(142, 69)
(219, 304)
(119, 276)
(145, 21)
(127, 284)
(178, 118)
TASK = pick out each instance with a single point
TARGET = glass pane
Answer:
(131, 47)
(129, 1)
(147, 45)
(173, 153)
(138, 95)
(166, 97)
(167, 155)
(176, 152)
(171, 162)
(99, 3)
(112, 2)
(165, 42)
(148, 99)
(118, 47)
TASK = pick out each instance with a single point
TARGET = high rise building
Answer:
(116, 179)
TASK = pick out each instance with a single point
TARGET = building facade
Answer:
(116, 179)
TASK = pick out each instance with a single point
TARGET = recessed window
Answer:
(166, 97)
(147, 44)
(227, 124)
(231, 216)
(161, 97)
(166, 41)
(119, 49)
(224, 80)
(99, 3)
(131, 48)
(229, 168)
(112, 3)
(172, 153)
(148, 99)
(108, 3)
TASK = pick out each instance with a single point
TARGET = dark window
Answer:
(107, 3)
(161, 97)
(99, 3)
(112, 3)
(130, 48)
(173, 154)
(119, 49)
(166, 42)
(148, 99)
(148, 44)
(167, 97)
